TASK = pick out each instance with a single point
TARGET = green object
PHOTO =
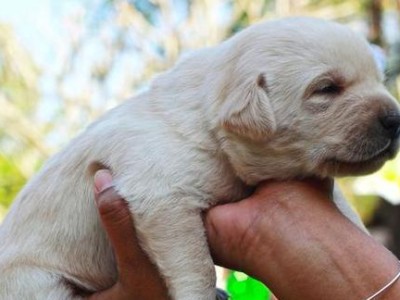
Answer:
(243, 287)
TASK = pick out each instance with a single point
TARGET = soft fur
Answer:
(291, 98)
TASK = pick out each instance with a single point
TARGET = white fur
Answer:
(221, 120)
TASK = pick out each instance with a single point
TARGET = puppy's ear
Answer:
(247, 111)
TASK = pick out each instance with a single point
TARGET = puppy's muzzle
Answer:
(391, 125)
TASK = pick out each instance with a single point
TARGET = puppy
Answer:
(290, 98)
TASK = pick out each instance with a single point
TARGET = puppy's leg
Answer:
(175, 240)
(345, 208)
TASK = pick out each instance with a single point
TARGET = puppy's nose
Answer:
(391, 124)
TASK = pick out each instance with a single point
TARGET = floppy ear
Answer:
(247, 111)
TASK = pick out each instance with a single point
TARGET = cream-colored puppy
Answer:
(283, 99)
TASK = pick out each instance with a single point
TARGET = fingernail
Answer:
(102, 180)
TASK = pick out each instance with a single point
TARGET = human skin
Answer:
(138, 278)
(289, 235)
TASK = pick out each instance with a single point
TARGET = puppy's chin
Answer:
(340, 169)
(337, 167)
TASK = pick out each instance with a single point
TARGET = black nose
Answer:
(391, 123)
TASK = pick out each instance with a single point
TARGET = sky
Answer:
(33, 23)
(42, 27)
(37, 23)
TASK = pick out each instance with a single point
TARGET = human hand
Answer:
(237, 231)
(138, 278)
(231, 229)
(292, 237)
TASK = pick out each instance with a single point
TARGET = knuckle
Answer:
(112, 206)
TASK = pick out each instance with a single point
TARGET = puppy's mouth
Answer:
(362, 165)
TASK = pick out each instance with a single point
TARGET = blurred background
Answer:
(63, 63)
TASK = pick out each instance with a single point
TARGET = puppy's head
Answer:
(305, 97)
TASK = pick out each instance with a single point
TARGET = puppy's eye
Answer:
(328, 89)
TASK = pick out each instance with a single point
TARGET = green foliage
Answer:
(18, 100)
(244, 16)
(366, 206)
(327, 2)
(18, 73)
(11, 181)
(242, 287)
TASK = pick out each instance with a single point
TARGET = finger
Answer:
(116, 219)
(102, 181)
(137, 275)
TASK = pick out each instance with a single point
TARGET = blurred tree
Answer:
(374, 10)
(20, 137)
(371, 10)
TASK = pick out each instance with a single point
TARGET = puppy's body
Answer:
(222, 120)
